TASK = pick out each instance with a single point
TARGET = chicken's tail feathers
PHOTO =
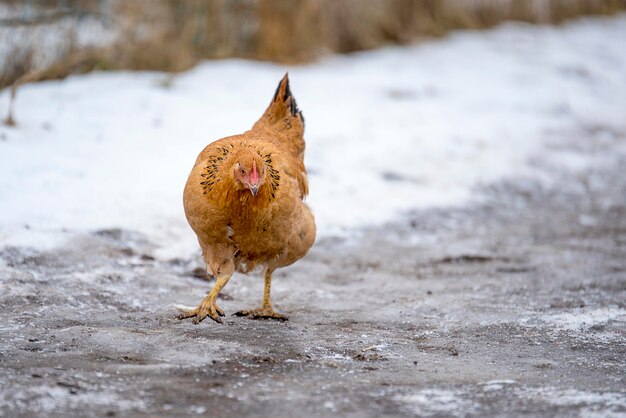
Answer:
(284, 116)
(284, 100)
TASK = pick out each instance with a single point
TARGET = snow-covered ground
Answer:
(387, 131)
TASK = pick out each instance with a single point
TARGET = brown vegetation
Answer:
(173, 35)
(299, 31)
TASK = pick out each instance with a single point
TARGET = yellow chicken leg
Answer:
(207, 307)
(265, 311)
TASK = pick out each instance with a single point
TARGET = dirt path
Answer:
(512, 306)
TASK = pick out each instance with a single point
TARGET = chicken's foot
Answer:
(207, 307)
(262, 313)
(266, 311)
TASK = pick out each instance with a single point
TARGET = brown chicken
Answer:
(244, 200)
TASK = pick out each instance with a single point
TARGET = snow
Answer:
(387, 131)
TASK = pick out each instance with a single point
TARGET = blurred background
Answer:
(47, 39)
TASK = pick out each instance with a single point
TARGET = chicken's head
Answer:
(249, 172)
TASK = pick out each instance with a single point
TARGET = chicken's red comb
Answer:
(254, 174)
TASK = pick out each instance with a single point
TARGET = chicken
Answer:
(244, 200)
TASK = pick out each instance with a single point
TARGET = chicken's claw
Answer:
(262, 313)
(206, 308)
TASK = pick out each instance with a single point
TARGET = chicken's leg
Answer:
(208, 307)
(266, 310)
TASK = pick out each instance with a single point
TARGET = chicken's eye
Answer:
(242, 171)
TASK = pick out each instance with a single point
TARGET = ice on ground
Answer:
(428, 402)
(50, 399)
(387, 131)
(587, 323)
(583, 319)
(494, 385)
(601, 404)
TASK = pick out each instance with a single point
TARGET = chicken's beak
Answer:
(254, 190)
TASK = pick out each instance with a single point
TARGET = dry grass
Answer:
(173, 35)
(299, 31)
